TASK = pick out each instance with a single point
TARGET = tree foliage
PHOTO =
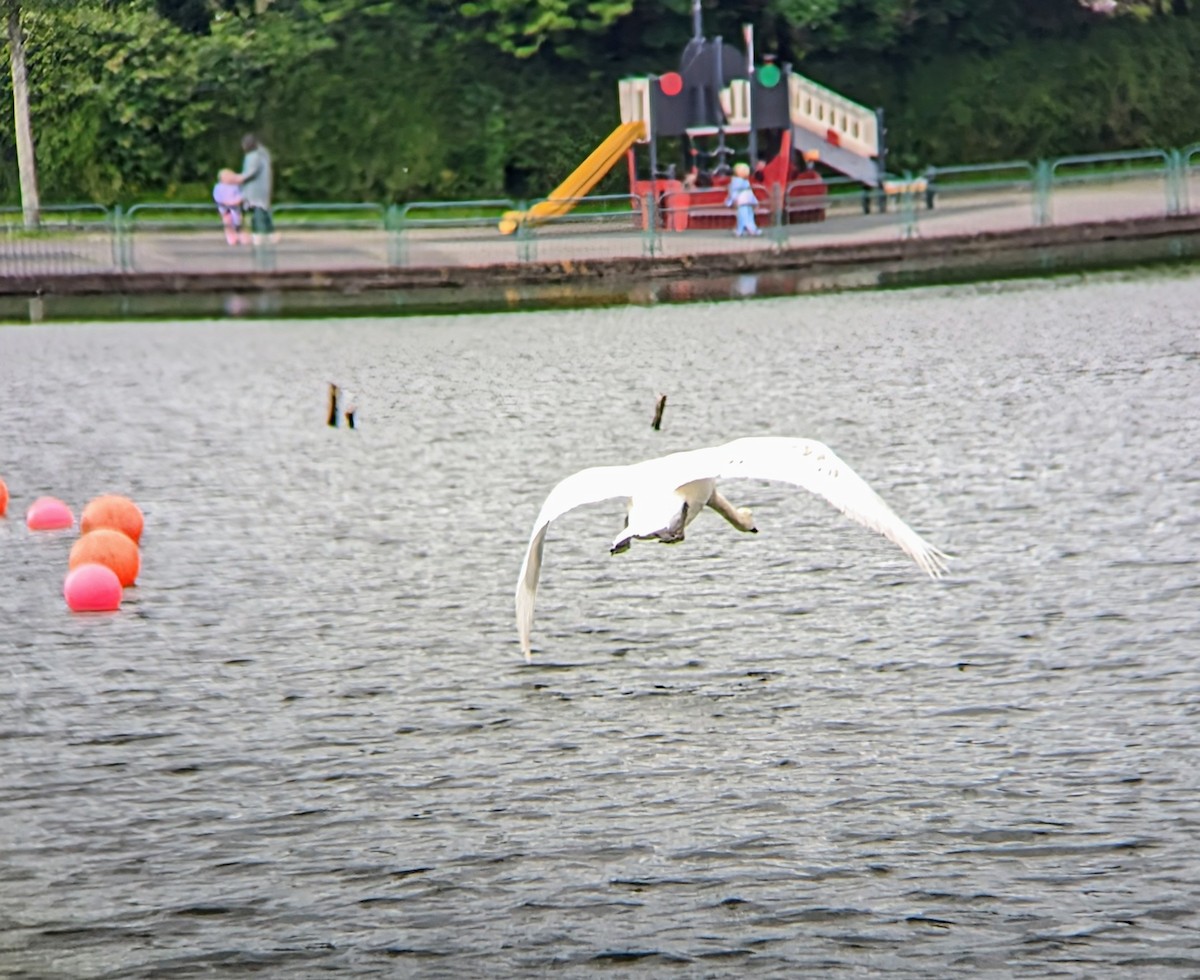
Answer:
(126, 102)
(522, 27)
(396, 100)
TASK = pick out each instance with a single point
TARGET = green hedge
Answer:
(395, 108)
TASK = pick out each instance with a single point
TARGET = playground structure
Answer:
(719, 105)
(589, 173)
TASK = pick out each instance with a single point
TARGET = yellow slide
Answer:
(586, 176)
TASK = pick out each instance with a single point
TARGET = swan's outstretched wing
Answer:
(585, 487)
(815, 467)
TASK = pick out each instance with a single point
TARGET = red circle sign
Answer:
(671, 83)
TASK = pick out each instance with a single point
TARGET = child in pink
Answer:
(228, 196)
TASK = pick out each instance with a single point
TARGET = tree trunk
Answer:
(31, 206)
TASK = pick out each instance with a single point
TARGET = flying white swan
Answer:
(665, 495)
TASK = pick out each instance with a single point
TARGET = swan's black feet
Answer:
(673, 533)
(620, 547)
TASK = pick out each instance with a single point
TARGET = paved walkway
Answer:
(956, 212)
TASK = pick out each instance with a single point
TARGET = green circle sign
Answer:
(768, 76)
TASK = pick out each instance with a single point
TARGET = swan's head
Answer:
(745, 520)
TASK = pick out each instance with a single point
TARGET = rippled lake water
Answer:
(308, 742)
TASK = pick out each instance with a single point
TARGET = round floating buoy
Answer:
(3, 497)
(104, 546)
(113, 511)
(48, 514)
(92, 588)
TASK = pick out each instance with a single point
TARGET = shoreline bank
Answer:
(703, 275)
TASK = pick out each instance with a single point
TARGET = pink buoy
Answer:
(48, 514)
(92, 588)
(3, 497)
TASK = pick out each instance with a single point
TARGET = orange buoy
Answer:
(48, 514)
(106, 546)
(92, 588)
(3, 497)
(113, 511)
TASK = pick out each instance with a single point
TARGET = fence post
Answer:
(779, 234)
(526, 239)
(929, 176)
(114, 232)
(122, 237)
(393, 221)
(1176, 184)
(1043, 181)
(651, 234)
(908, 204)
(1185, 176)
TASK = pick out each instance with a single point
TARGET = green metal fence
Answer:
(941, 200)
(1120, 170)
(1189, 162)
(422, 232)
(164, 237)
(71, 239)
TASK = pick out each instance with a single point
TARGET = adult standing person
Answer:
(255, 179)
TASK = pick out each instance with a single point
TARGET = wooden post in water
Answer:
(333, 405)
(658, 412)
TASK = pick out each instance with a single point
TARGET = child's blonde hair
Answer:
(741, 169)
(226, 176)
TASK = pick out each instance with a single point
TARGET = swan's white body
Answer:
(665, 495)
